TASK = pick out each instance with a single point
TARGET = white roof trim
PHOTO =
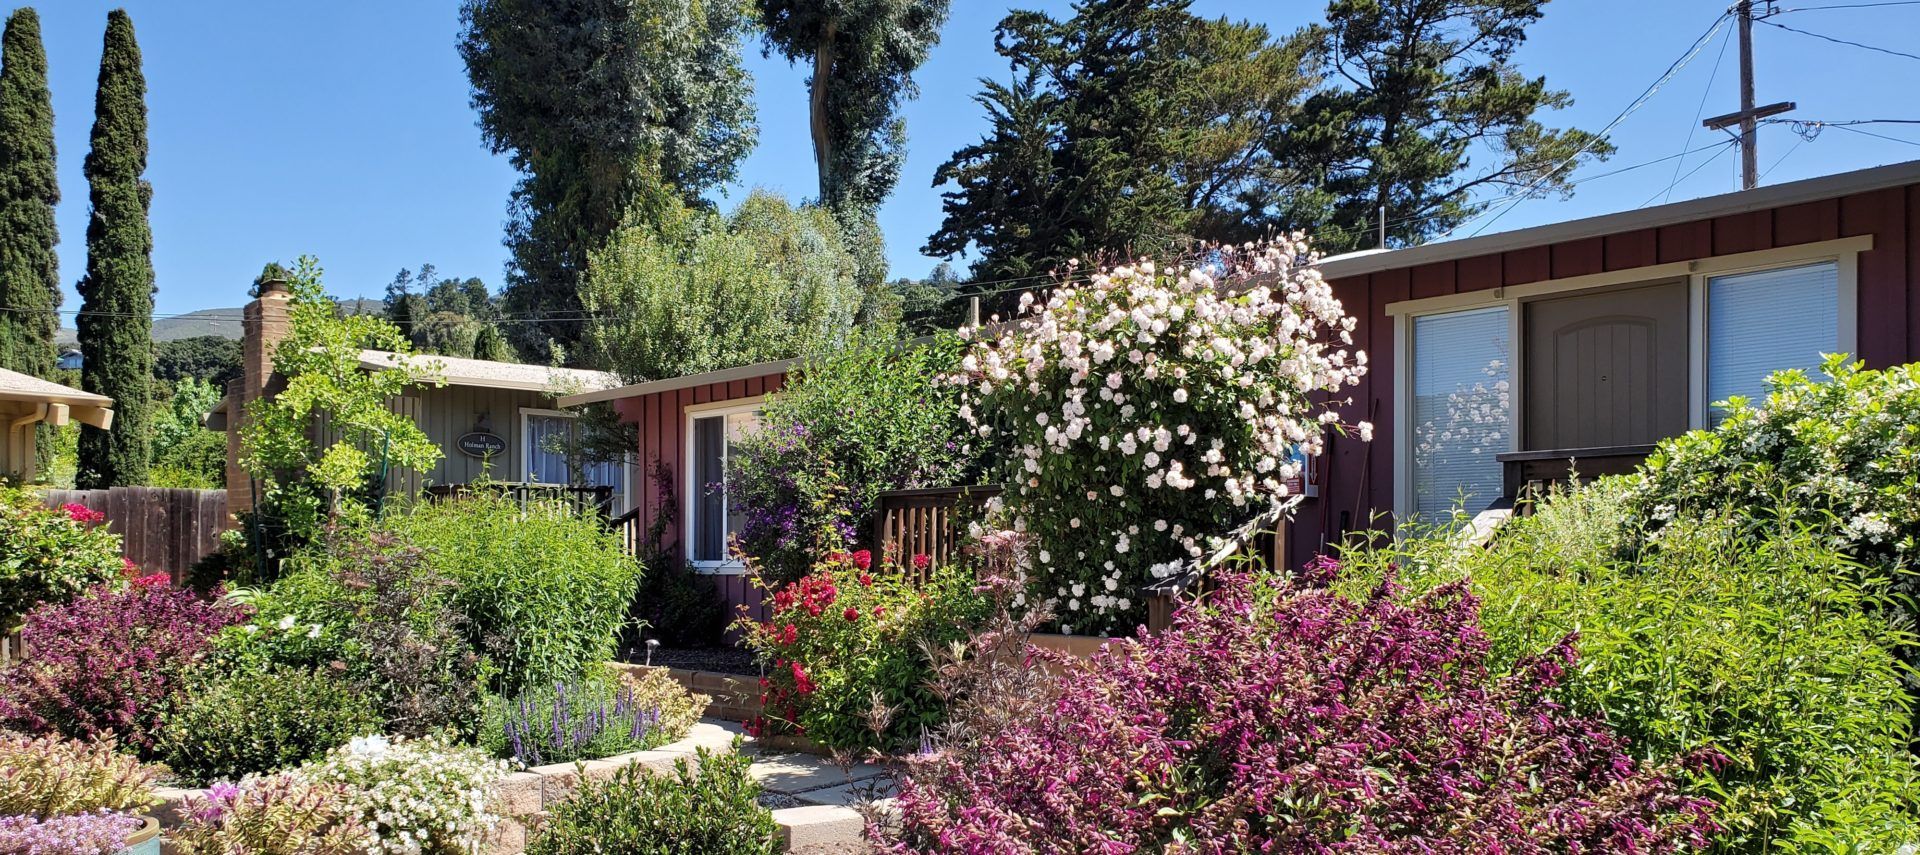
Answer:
(15, 386)
(670, 384)
(455, 371)
(1726, 204)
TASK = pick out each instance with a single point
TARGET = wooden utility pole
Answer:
(1749, 116)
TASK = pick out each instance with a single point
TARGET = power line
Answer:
(1724, 146)
(1847, 6)
(1673, 69)
(1854, 130)
(1839, 41)
(1697, 113)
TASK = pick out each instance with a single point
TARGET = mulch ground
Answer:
(724, 660)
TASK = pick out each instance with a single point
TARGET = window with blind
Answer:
(550, 439)
(1462, 414)
(1767, 321)
(711, 519)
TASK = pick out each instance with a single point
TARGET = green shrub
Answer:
(1847, 452)
(48, 776)
(50, 554)
(544, 590)
(871, 415)
(362, 599)
(847, 650)
(261, 720)
(675, 605)
(711, 806)
(1761, 645)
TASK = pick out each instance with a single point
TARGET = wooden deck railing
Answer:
(597, 501)
(925, 522)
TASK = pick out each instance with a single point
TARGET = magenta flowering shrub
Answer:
(108, 663)
(1287, 719)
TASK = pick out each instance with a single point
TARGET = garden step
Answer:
(793, 774)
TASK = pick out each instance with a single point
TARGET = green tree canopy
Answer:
(214, 359)
(608, 109)
(1133, 126)
(29, 268)
(863, 54)
(768, 282)
(116, 295)
(1424, 87)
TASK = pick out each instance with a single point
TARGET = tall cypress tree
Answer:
(29, 269)
(116, 310)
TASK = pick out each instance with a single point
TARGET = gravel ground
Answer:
(724, 660)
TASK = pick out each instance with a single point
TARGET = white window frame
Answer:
(1844, 252)
(526, 458)
(690, 497)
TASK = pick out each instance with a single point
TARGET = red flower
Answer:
(836, 558)
(790, 635)
(756, 726)
(151, 580)
(851, 614)
(866, 581)
(879, 610)
(82, 514)
(922, 561)
(863, 559)
(801, 681)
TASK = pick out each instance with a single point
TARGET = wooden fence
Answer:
(925, 522)
(162, 529)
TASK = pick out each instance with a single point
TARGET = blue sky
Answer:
(343, 130)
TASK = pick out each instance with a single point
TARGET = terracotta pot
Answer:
(146, 841)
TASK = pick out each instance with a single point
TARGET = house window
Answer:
(551, 436)
(711, 520)
(1769, 320)
(1461, 409)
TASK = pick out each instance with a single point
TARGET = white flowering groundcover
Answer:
(1147, 411)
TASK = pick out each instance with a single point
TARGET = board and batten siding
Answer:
(662, 421)
(444, 414)
(1357, 477)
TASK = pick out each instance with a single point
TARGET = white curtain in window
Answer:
(545, 436)
(1767, 321)
(1462, 379)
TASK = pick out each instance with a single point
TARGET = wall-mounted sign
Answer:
(480, 444)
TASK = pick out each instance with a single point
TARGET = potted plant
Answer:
(82, 796)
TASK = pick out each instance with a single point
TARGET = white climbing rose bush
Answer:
(1146, 410)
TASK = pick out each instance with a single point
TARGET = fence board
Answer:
(162, 529)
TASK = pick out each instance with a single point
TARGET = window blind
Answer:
(1767, 321)
(1462, 378)
(709, 467)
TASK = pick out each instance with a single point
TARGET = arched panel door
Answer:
(1606, 369)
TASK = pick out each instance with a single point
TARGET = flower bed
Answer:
(521, 798)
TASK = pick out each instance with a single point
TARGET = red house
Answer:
(1495, 359)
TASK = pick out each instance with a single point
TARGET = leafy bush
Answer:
(597, 716)
(1846, 452)
(1148, 410)
(1277, 717)
(1763, 648)
(261, 720)
(420, 796)
(363, 599)
(48, 776)
(283, 814)
(103, 833)
(674, 604)
(110, 663)
(50, 555)
(544, 590)
(847, 651)
(711, 806)
(870, 415)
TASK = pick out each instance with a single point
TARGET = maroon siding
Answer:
(662, 421)
(1357, 477)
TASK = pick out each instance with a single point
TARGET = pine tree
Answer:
(29, 269)
(116, 311)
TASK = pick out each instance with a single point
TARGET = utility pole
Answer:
(1749, 116)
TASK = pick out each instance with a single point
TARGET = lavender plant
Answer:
(575, 720)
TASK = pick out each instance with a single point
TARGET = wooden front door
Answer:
(1606, 369)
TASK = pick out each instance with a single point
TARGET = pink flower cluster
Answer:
(1288, 719)
(80, 834)
(82, 514)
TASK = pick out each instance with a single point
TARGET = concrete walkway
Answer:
(813, 799)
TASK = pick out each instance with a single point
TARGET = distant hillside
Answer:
(224, 323)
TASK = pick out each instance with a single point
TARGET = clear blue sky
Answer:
(343, 130)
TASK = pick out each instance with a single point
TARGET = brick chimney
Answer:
(262, 328)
